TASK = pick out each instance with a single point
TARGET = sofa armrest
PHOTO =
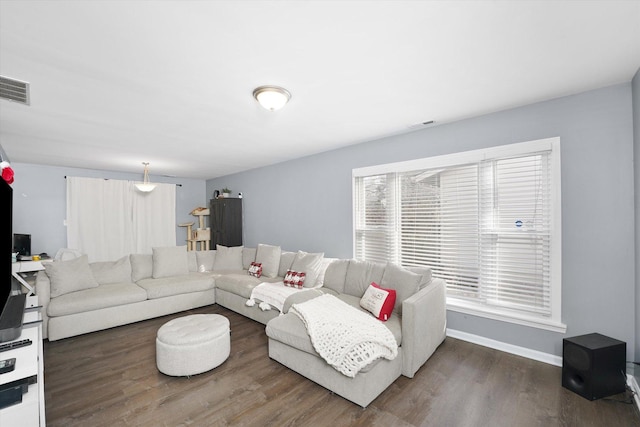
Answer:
(424, 322)
(43, 292)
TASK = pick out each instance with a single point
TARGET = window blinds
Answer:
(482, 226)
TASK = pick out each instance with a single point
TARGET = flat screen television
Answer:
(11, 303)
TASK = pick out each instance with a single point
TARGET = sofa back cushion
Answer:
(248, 256)
(170, 261)
(205, 260)
(286, 260)
(425, 272)
(353, 277)
(192, 261)
(336, 274)
(360, 274)
(403, 281)
(141, 266)
(309, 264)
(70, 276)
(269, 257)
(228, 258)
(110, 272)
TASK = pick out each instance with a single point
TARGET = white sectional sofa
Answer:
(80, 297)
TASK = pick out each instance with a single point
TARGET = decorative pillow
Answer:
(205, 260)
(170, 261)
(248, 256)
(110, 272)
(309, 264)
(228, 258)
(255, 269)
(70, 276)
(141, 266)
(269, 257)
(378, 301)
(286, 259)
(294, 279)
(403, 281)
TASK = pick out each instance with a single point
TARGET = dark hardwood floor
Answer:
(109, 378)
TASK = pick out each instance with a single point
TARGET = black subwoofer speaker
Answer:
(593, 365)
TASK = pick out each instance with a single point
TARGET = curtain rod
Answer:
(107, 179)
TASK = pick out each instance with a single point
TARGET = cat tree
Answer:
(201, 234)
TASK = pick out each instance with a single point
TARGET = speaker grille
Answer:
(14, 90)
(578, 357)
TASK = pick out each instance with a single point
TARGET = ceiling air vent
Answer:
(14, 90)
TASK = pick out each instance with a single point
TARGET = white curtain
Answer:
(154, 218)
(107, 219)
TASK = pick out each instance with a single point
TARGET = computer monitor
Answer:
(22, 244)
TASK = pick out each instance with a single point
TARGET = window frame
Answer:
(553, 322)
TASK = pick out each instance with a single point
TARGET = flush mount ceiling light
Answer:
(271, 97)
(145, 186)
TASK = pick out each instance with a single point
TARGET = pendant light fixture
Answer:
(272, 98)
(145, 186)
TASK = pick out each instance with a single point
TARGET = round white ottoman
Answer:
(192, 344)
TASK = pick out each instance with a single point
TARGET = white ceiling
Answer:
(115, 83)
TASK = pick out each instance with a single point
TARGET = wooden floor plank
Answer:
(109, 378)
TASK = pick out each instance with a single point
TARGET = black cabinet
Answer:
(226, 222)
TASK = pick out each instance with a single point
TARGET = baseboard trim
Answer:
(551, 359)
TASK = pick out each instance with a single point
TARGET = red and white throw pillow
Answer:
(294, 279)
(379, 301)
(255, 269)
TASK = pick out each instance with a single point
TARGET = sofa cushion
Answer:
(248, 256)
(290, 330)
(403, 281)
(269, 257)
(176, 285)
(286, 259)
(103, 296)
(205, 260)
(360, 274)
(228, 258)
(379, 301)
(309, 264)
(425, 272)
(141, 266)
(70, 276)
(394, 323)
(336, 275)
(170, 261)
(110, 272)
(192, 261)
(239, 284)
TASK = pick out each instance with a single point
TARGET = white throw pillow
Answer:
(309, 264)
(170, 261)
(269, 257)
(141, 266)
(70, 276)
(228, 258)
(205, 259)
(110, 272)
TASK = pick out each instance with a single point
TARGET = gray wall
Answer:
(306, 204)
(39, 201)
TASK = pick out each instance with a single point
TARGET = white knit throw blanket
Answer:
(347, 338)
